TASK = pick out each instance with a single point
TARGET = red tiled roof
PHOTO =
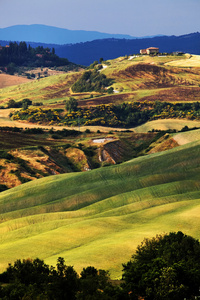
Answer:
(153, 48)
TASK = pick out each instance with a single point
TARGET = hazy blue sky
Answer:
(134, 17)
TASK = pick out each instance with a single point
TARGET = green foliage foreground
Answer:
(33, 279)
(166, 267)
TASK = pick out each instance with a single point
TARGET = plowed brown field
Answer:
(9, 80)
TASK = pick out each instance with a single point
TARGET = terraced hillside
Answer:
(99, 217)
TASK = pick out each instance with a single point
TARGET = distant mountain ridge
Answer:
(86, 53)
(53, 35)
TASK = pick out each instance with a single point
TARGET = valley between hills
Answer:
(79, 183)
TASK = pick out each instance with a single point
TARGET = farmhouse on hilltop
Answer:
(150, 50)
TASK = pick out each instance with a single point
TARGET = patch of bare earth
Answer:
(10, 80)
(6, 176)
(111, 152)
(115, 98)
(149, 76)
(38, 160)
(176, 94)
(164, 145)
(78, 157)
(62, 89)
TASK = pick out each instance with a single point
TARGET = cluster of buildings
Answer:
(150, 50)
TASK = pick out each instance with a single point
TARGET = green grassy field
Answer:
(99, 217)
(46, 90)
(166, 124)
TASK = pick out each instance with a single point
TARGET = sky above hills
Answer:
(133, 17)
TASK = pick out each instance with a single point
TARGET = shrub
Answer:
(55, 136)
(87, 131)
(71, 104)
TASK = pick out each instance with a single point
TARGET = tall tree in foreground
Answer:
(166, 267)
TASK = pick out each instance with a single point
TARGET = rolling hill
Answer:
(99, 217)
(135, 78)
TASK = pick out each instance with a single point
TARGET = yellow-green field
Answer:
(190, 62)
(166, 124)
(47, 90)
(186, 137)
(99, 217)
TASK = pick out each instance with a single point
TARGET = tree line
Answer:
(165, 267)
(17, 55)
(123, 115)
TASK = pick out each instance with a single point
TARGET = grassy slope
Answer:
(131, 84)
(47, 90)
(191, 61)
(166, 124)
(118, 70)
(99, 217)
(186, 137)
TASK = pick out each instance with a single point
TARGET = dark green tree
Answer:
(64, 282)
(28, 271)
(110, 90)
(166, 267)
(94, 285)
(11, 103)
(26, 103)
(71, 104)
(11, 68)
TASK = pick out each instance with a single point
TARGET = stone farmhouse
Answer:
(150, 50)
